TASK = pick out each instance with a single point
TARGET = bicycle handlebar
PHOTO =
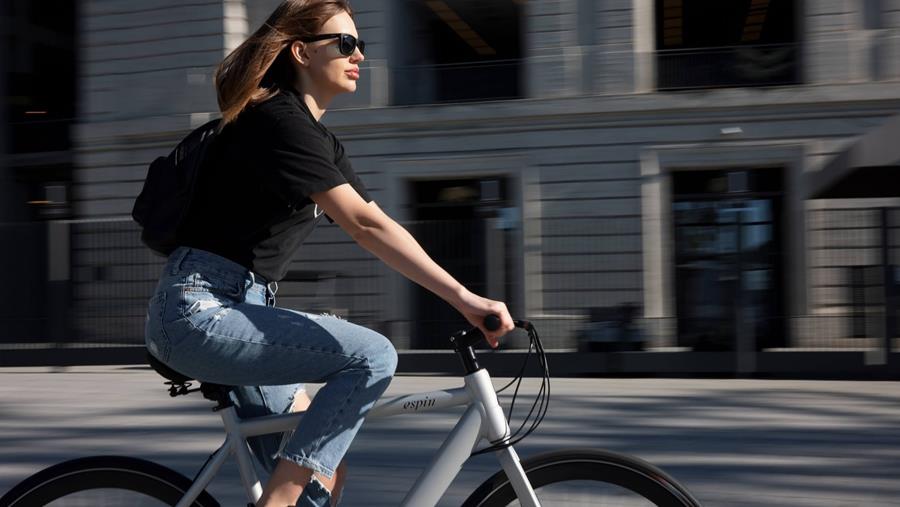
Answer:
(491, 322)
(470, 337)
(464, 340)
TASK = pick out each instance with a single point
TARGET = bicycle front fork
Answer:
(509, 461)
(496, 430)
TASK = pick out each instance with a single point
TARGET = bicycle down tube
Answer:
(483, 419)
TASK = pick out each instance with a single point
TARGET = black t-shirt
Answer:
(251, 202)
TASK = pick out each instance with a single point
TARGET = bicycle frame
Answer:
(483, 419)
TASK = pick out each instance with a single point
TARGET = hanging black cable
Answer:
(542, 399)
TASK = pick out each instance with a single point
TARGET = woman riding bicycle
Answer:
(270, 174)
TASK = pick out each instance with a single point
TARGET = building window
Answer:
(38, 69)
(456, 50)
(729, 263)
(716, 43)
(467, 224)
(40, 75)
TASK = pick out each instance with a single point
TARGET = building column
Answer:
(834, 49)
(644, 45)
(882, 21)
(851, 41)
(554, 60)
(656, 227)
(588, 47)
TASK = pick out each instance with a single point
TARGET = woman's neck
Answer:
(315, 101)
(315, 104)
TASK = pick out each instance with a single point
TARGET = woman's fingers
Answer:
(506, 324)
(475, 308)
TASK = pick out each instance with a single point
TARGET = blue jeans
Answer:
(208, 319)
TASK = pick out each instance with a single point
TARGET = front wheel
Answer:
(103, 481)
(589, 478)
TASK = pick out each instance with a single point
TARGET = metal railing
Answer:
(457, 82)
(744, 65)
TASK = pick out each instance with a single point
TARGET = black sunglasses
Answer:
(347, 44)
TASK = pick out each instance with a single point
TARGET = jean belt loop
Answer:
(270, 293)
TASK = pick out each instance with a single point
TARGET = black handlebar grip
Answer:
(492, 322)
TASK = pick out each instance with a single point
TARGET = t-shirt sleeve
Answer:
(301, 161)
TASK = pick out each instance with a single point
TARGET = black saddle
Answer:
(179, 384)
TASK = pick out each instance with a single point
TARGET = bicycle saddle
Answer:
(166, 371)
(179, 383)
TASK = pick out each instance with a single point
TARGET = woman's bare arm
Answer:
(378, 233)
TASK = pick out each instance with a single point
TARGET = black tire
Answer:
(103, 472)
(588, 466)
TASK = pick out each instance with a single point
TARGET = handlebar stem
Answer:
(462, 345)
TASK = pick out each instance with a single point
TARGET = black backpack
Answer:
(166, 196)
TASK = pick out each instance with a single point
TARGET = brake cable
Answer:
(542, 399)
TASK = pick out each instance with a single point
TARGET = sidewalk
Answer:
(735, 443)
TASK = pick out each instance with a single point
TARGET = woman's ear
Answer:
(299, 54)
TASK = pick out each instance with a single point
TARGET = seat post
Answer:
(217, 393)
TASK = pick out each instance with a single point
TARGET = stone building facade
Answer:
(589, 175)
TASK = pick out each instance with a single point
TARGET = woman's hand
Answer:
(475, 308)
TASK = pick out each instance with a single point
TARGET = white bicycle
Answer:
(572, 477)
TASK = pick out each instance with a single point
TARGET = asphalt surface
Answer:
(731, 442)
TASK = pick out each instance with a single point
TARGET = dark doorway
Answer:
(729, 266)
(455, 220)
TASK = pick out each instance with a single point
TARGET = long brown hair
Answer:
(261, 65)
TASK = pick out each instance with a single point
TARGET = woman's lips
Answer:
(352, 74)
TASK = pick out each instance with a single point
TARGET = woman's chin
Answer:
(343, 86)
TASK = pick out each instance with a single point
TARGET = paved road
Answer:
(732, 442)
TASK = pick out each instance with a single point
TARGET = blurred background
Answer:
(662, 186)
